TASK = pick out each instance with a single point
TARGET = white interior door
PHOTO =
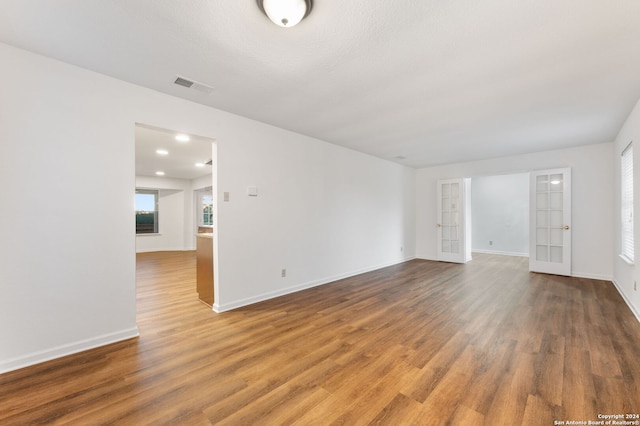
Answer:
(452, 221)
(550, 236)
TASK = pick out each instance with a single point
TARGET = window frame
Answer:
(200, 207)
(156, 225)
(202, 210)
(627, 243)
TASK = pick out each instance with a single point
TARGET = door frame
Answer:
(214, 189)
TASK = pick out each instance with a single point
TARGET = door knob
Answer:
(566, 227)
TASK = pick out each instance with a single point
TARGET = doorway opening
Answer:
(500, 214)
(524, 214)
(179, 170)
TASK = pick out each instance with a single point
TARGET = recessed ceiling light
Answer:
(159, 173)
(199, 164)
(162, 152)
(181, 137)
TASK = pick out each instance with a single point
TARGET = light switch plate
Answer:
(226, 196)
(252, 191)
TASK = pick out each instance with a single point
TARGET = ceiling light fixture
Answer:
(162, 152)
(159, 173)
(285, 13)
(199, 164)
(180, 137)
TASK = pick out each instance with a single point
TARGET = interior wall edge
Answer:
(627, 301)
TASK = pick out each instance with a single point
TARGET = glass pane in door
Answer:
(549, 218)
(556, 237)
(449, 217)
(542, 253)
(446, 190)
(542, 183)
(556, 254)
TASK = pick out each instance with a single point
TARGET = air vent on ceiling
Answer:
(183, 82)
(192, 84)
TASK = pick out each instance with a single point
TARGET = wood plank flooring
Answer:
(420, 343)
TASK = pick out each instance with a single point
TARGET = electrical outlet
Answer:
(635, 286)
(283, 273)
(226, 196)
(401, 248)
(490, 243)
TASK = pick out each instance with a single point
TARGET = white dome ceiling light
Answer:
(285, 13)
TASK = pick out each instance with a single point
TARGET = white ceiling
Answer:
(181, 158)
(433, 81)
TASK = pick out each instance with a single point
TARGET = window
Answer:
(627, 203)
(206, 203)
(204, 207)
(146, 211)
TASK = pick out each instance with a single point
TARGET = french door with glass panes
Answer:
(453, 220)
(550, 221)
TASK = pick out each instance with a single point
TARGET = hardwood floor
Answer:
(421, 343)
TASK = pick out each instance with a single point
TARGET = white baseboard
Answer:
(591, 276)
(588, 275)
(627, 301)
(273, 294)
(503, 253)
(433, 259)
(155, 249)
(64, 350)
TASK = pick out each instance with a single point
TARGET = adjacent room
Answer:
(500, 214)
(174, 195)
(363, 212)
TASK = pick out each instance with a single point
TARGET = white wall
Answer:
(592, 200)
(500, 214)
(626, 275)
(67, 271)
(322, 213)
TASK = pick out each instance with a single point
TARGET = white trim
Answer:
(588, 275)
(504, 253)
(433, 259)
(627, 301)
(68, 349)
(626, 204)
(626, 259)
(591, 276)
(273, 294)
(155, 249)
